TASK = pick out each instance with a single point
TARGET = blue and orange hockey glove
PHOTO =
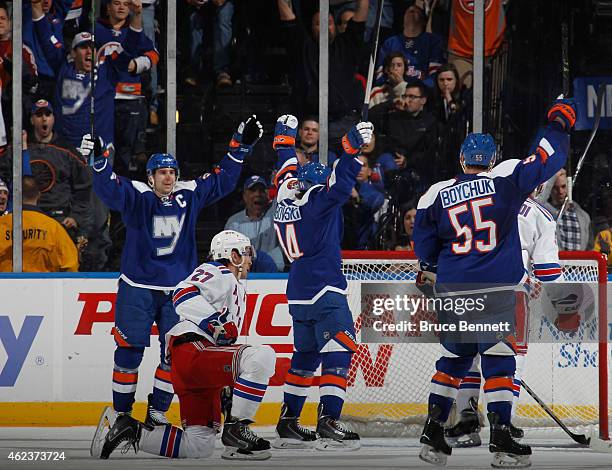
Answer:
(285, 132)
(563, 111)
(245, 138)
(358, 136)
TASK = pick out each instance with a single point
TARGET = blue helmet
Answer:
(162, 160)
(478, 150)
(310, 174)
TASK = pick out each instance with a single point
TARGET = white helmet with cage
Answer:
(224, 242)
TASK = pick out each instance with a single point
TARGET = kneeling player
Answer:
(204, 359)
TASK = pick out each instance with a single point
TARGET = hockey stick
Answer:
(579, 438)
(368, 90)
(588, 145)
(92, 77)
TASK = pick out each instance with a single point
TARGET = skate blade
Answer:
(430, 455)
(504, 460)
(327, 444)
(107, 419)
(463, 442)
(233, 453)
(286, 443)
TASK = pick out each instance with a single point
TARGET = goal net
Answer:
(389, 380)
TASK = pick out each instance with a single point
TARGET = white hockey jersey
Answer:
(538, 241)
(210, 291)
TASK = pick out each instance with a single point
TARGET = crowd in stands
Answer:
(420, 104)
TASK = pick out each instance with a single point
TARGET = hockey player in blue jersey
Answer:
(159, 251)
(309, 225)
(467, 228)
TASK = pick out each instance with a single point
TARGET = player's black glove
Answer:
(563, 111)
(245, 138)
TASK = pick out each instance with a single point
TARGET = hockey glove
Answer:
(563, 111)
(223, 332)
(426, 274)
(357, 137)
(245, 138)
(285, 132)
(94, 151)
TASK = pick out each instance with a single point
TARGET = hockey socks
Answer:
(125, 377)
(332, 387)
(298, 380)
(163, 392)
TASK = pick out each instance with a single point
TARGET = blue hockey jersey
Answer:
(139, 46)
(310, 229)
(468, 225)
(423, 54)
(73, 88)
(160, 245)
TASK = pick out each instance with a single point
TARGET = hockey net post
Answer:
(389, 382)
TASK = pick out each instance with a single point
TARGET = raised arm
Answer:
(285, 10)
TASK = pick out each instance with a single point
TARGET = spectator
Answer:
(309, 140)
(574, 232)
(412, 132)
(408, 214)
(131, 114)
(451, 106)
(343, 16)
(46, 245)
(222, 39)
(29, 80)
(345, 55)
(461, 35)
(72, 86)
(603, 242)
(62, 174)
(4, 197)
(395, 66)
(54, 13)
(256, 222)
(422, 50)
(6, 166)
(360, 211)
(148, 24)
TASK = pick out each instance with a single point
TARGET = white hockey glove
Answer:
(358, 136)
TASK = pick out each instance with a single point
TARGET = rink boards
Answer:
(56, 350)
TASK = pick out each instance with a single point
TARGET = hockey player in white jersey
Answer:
(204, 359)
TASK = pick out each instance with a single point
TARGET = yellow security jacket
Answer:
(47, 247)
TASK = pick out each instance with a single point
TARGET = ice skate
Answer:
(466, 432)
(292, 435)
(126, 429)
(333, 435)
(155, 417)
(241, 443)
(435, 449)
(507, 453)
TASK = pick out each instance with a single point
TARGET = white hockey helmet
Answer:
(224, 242)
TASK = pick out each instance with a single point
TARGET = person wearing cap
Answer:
(46, 245)
(73, 74)
(256, 222)
(112, 31)
(62, 174)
